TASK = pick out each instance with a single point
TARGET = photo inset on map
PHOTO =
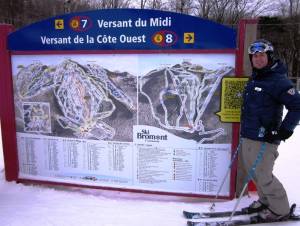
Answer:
(181, 94)
(88, 98)
(36, 117)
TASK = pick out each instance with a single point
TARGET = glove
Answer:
(281, 134)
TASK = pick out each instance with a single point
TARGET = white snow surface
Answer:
(40, 205)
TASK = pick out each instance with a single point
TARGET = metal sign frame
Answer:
(149, 41)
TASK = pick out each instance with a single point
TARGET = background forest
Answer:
(279, 20)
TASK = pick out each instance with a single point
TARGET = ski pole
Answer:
(226, 175)
(249, 177)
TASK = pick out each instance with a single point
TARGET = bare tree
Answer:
(283, 31)
(143, 4)
(23, 12)
(11, 11)
(157, 4)
(181, 6)
(288, 7)
(231, 11)
(203, 8)
(109, 4)
(290, 45)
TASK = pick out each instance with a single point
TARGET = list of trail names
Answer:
(163, 168)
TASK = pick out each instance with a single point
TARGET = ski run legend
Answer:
(110, 39)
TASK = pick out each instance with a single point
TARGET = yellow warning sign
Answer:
(189, 37)
(232, 98)
(59, 24)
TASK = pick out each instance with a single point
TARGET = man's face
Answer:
(259, 60)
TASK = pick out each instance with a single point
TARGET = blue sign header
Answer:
(123, 29)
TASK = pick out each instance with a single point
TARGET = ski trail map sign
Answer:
(123, 99)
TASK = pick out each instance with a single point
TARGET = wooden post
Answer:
(7, 107)
(247, 32)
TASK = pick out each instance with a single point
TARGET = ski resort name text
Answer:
(152, 22)
(145, 135)
(88, 39)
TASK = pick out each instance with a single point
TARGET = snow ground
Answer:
(37, 205)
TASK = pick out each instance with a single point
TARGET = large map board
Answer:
(124, 99)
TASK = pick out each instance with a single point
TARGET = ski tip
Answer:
(293, 214)
(293, 207)
(191, 215)
(186, 214)
(295, 218)
(189, 223)
(193, 223)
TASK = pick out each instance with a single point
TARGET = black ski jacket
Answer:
(265, 94)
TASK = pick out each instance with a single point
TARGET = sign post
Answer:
(120, 99)
(7, 107)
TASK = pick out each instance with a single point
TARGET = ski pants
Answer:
(270, 190)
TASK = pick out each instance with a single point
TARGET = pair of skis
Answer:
(251, 219)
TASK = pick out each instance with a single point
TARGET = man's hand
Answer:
(281, 134)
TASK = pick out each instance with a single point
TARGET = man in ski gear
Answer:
(266, 93)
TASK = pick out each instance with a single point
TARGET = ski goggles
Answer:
(259, 47)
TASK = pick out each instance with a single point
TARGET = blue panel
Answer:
(123, 29)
